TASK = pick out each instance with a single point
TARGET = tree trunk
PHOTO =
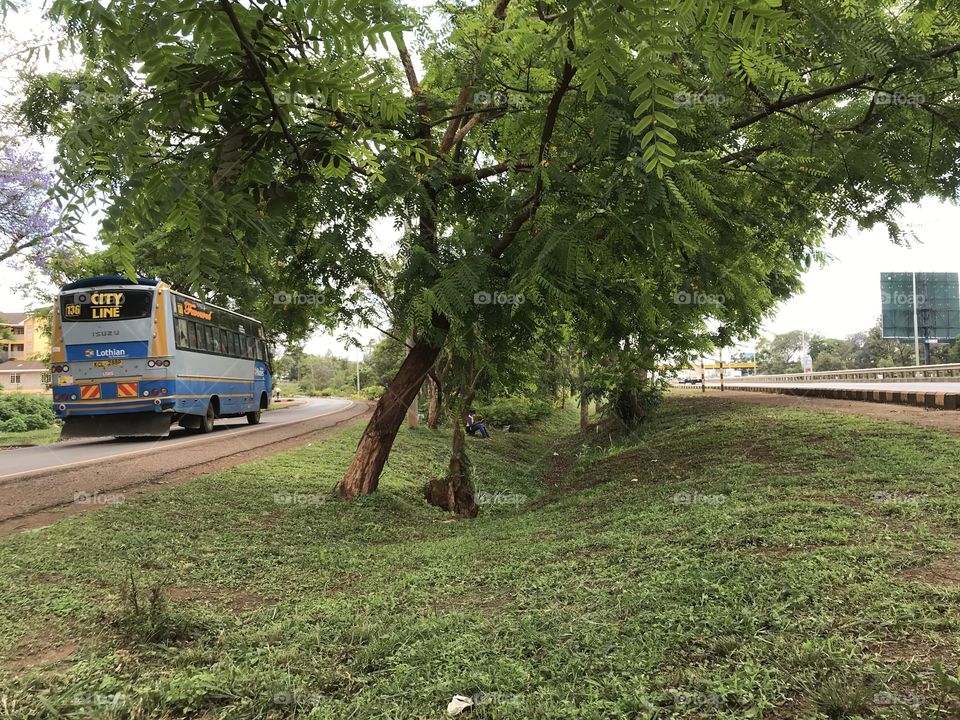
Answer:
(453, 492)
(584, 398)
(413, 412)
(433, 414)
(364, 472)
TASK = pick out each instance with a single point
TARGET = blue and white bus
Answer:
(130, 358)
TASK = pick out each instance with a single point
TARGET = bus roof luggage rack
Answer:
(116, 425)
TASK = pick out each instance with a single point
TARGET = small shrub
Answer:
(20, 412)
(14, 424)
(146, 617)
(513, 411)
(371, 392)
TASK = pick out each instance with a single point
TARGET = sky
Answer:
(838, 299)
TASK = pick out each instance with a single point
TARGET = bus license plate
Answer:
(107, 363)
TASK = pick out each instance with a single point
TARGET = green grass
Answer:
(31, 437)
(730, 561)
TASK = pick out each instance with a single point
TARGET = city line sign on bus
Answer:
(919, 306)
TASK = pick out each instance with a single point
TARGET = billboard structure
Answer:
(922, 307)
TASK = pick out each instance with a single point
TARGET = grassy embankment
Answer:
(31, 437)
(733, 561)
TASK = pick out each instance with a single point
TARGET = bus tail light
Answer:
(73, 397)
(146, 393)
(163, 391)
(156, 392)
(64, 368)
(157, 401)
(62, 407)
(166, 363)
(151, 363)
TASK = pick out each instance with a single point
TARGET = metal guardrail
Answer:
(950, 371)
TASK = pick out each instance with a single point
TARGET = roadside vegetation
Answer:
(26, 420)
(727, 560)
(866, 349)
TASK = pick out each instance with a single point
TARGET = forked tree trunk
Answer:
(453, 492)
(374, 447)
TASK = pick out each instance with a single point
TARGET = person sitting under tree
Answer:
(475, 426)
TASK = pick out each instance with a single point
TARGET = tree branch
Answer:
(258, 68)
(801, 98)
(408, 69)
(532, 203)
(483, 173)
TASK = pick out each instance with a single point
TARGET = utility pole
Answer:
(358, 376)
(721, 369)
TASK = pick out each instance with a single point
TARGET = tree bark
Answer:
(374, 447)
(453, 492)
(433, 414)
(584, 398)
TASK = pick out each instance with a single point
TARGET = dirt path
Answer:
(948, 420)
(42, 499)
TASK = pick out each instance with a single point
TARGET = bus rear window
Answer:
(93, 305)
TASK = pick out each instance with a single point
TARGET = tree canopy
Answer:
(630, 168)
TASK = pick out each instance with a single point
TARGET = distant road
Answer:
(39, 484)
(925, 393)
(893, 385)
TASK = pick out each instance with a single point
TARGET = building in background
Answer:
(28, 338)
(27, 376)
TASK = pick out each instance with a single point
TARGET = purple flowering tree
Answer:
(29, 217)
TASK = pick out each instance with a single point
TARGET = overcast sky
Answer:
(840, 298)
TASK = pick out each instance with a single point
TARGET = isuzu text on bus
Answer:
(132, 358)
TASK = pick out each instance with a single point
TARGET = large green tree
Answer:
(641, 165)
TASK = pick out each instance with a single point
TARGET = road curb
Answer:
(933, 400)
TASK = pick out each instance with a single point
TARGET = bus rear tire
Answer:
(206, 422)
(253, 418)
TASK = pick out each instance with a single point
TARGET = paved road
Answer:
(18, 462)
(923, 386)
(40, 484)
